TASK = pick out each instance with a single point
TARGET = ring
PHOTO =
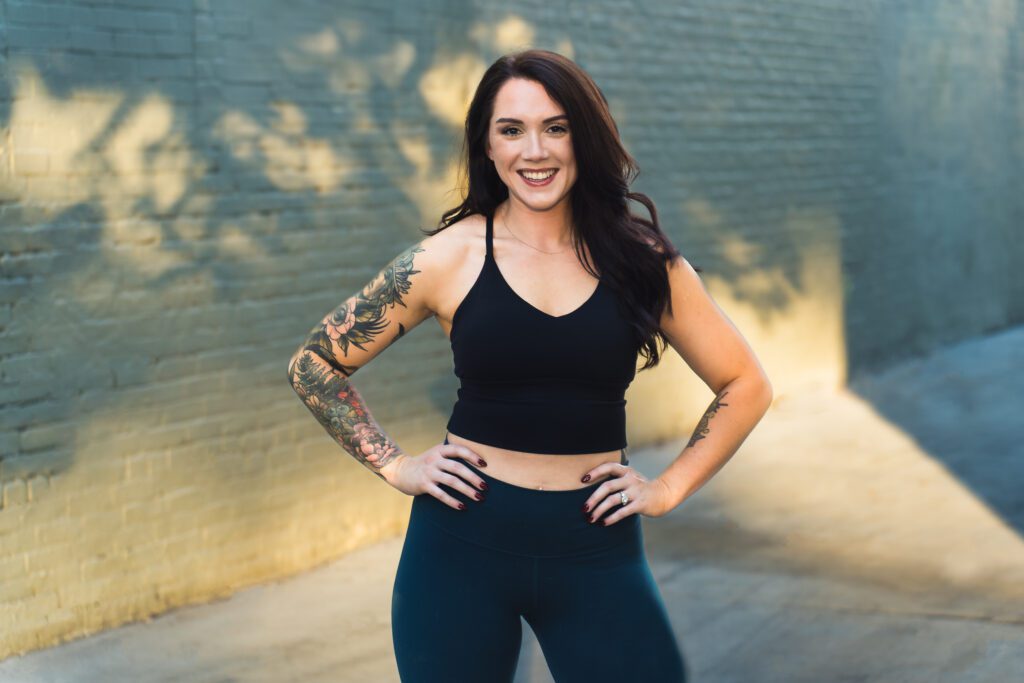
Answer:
(624, 497)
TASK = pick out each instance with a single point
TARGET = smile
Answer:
(538, 178)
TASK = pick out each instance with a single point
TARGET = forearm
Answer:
(728, 421)
(337, 405)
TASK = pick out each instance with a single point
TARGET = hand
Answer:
(650, 498)
(439, 465)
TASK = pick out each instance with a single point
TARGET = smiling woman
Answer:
(549, 289)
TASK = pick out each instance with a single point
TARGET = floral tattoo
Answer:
(702, 427)
(321, 379)
(361, 318)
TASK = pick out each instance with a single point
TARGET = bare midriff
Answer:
(538, 470)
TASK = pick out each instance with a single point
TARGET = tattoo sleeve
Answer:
(320, 377)
(703, 429)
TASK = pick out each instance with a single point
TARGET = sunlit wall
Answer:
(187, 186)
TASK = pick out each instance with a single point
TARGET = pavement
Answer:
(869, 534)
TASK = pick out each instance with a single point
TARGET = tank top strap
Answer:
(490, 235)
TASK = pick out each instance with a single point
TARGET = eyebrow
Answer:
(547, 120)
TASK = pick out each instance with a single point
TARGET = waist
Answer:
(539, 471)
(526, 522)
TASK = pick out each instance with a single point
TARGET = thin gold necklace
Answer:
(505, 223)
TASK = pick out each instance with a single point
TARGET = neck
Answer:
(550, 229)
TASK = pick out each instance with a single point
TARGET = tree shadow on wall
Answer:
(186, 209)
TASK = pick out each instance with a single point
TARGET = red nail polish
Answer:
(479, 496)
(604, 522)
(586, 478)
(586, 507)
(483, 485)
(462, 506)
(483, 464)
(590, 518)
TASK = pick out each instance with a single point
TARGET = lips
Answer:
(539, 183)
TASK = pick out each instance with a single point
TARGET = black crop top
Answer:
(539, 383)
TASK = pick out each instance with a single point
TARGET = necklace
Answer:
(505, 223)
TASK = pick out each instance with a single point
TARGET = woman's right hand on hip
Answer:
(437, 465)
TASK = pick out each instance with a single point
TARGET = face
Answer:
(525, 135)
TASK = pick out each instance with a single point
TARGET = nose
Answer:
(535, 149)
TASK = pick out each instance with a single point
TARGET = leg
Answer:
(602, 619)
(455, 610)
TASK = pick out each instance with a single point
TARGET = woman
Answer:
(529, 507)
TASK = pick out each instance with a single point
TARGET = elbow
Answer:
(292, 362)
(758, 388)
(767, 392)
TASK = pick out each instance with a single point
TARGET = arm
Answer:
(709, 343)
(348, 338)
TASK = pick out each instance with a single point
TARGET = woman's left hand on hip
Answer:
(647, 497)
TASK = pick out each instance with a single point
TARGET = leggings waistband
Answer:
(524, 521)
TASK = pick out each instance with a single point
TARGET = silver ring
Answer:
(624, 497)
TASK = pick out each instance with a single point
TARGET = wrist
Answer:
(672, 500)
(390, 470)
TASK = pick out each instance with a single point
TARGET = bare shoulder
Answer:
(450, 244)
(459, 251)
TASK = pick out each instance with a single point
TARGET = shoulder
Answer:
(683, 277)
(449, 247)
(673, 259)
(458, 235)
(441, 255)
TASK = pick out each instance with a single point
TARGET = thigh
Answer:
(454, 610)
(602, 618)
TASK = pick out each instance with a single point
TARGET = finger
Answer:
(437, 492)
(630, 509)
(596, 473)
(463, 452)
(601, 495)
(458, 469)
(610, 468)
(612, 500)
(604, 506)
(453, 482)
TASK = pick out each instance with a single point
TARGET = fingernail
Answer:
(479, 496)
(586, 507)
(462, 506)
(483, 485)
(483, 464)
(590, 518)
(586, 478)
(604, 522)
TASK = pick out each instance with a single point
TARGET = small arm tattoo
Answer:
(321, 378)
(702, 427)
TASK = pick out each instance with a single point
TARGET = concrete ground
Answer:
(873, 534)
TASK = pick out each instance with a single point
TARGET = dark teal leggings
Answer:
(465, 577)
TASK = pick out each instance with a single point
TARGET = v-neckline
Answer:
(593, 295)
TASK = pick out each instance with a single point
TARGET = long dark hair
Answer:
(631, 252)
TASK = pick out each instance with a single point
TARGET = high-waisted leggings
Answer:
(465, 577)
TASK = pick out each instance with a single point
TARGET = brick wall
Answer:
(187, 186)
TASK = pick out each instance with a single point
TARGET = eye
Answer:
(560, 128)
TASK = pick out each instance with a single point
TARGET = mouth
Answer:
(538, 178)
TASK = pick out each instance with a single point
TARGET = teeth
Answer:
(538, 176)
